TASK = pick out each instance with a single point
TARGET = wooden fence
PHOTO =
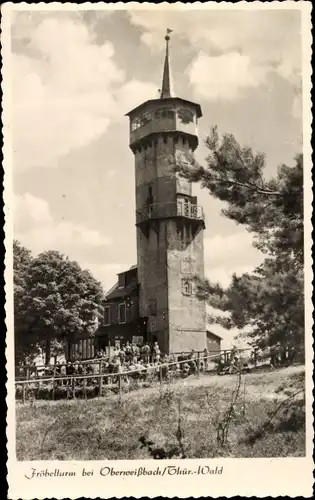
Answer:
(75, 385)
(29, 370)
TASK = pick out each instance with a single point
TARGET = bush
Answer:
(290, 418)
(44, 392)
(61, 392)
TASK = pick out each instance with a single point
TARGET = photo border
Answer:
(258, 477)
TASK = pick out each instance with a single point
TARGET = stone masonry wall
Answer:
(185, 260)
(169, 251)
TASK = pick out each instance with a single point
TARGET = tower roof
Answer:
(170, 100)
(166, 90)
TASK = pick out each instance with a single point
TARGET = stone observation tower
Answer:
(169, 221)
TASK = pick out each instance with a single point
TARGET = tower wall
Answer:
(153, 279)
(170, 251)
(155, 165)
(185, 260)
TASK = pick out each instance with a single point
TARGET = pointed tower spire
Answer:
(166, 90)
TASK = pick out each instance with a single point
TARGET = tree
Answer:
(270, 300)
(60, 301)
(26, 346)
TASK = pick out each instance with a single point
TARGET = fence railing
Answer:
(115, 381)
(170, 209)
(29, 370)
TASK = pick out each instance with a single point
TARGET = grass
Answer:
(109, 428)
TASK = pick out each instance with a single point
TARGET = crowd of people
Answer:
(132, 361)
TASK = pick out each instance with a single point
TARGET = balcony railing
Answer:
(169, 210)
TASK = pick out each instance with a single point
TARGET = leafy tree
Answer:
(60, 299)
(26, 346)
(270, 300)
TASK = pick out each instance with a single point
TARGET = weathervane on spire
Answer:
(168, 32)
(166, 80)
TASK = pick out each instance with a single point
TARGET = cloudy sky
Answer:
(76, 74)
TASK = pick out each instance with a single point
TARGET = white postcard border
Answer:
(245, 477)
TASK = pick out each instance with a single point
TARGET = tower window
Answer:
(186, 207)
(185, 116)
(187, 287)
(153, 325)
(136, 123)
(122, 313)
(164, 113)
(152, 307)
(146, 118)
(150, 198)
(170, 113)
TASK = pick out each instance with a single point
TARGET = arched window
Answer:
(187, 287)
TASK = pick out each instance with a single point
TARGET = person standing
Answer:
(145, 351)
(122, 355)
(135, 352)
(156, 352)
(128, 351)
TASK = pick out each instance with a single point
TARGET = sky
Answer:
(74, 77)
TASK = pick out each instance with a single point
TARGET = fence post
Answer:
(161, 374)
(73, 388)
(53, 387)
(198, 364)
(84, 388)
(23, 392)
(100, 385)
(26, 386)
(119, 384)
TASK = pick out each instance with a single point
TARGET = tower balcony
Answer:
(170, 210)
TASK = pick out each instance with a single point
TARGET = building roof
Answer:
(117, 291)
(214, 334)
(132, 268)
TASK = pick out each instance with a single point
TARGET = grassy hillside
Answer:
(180, 419)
